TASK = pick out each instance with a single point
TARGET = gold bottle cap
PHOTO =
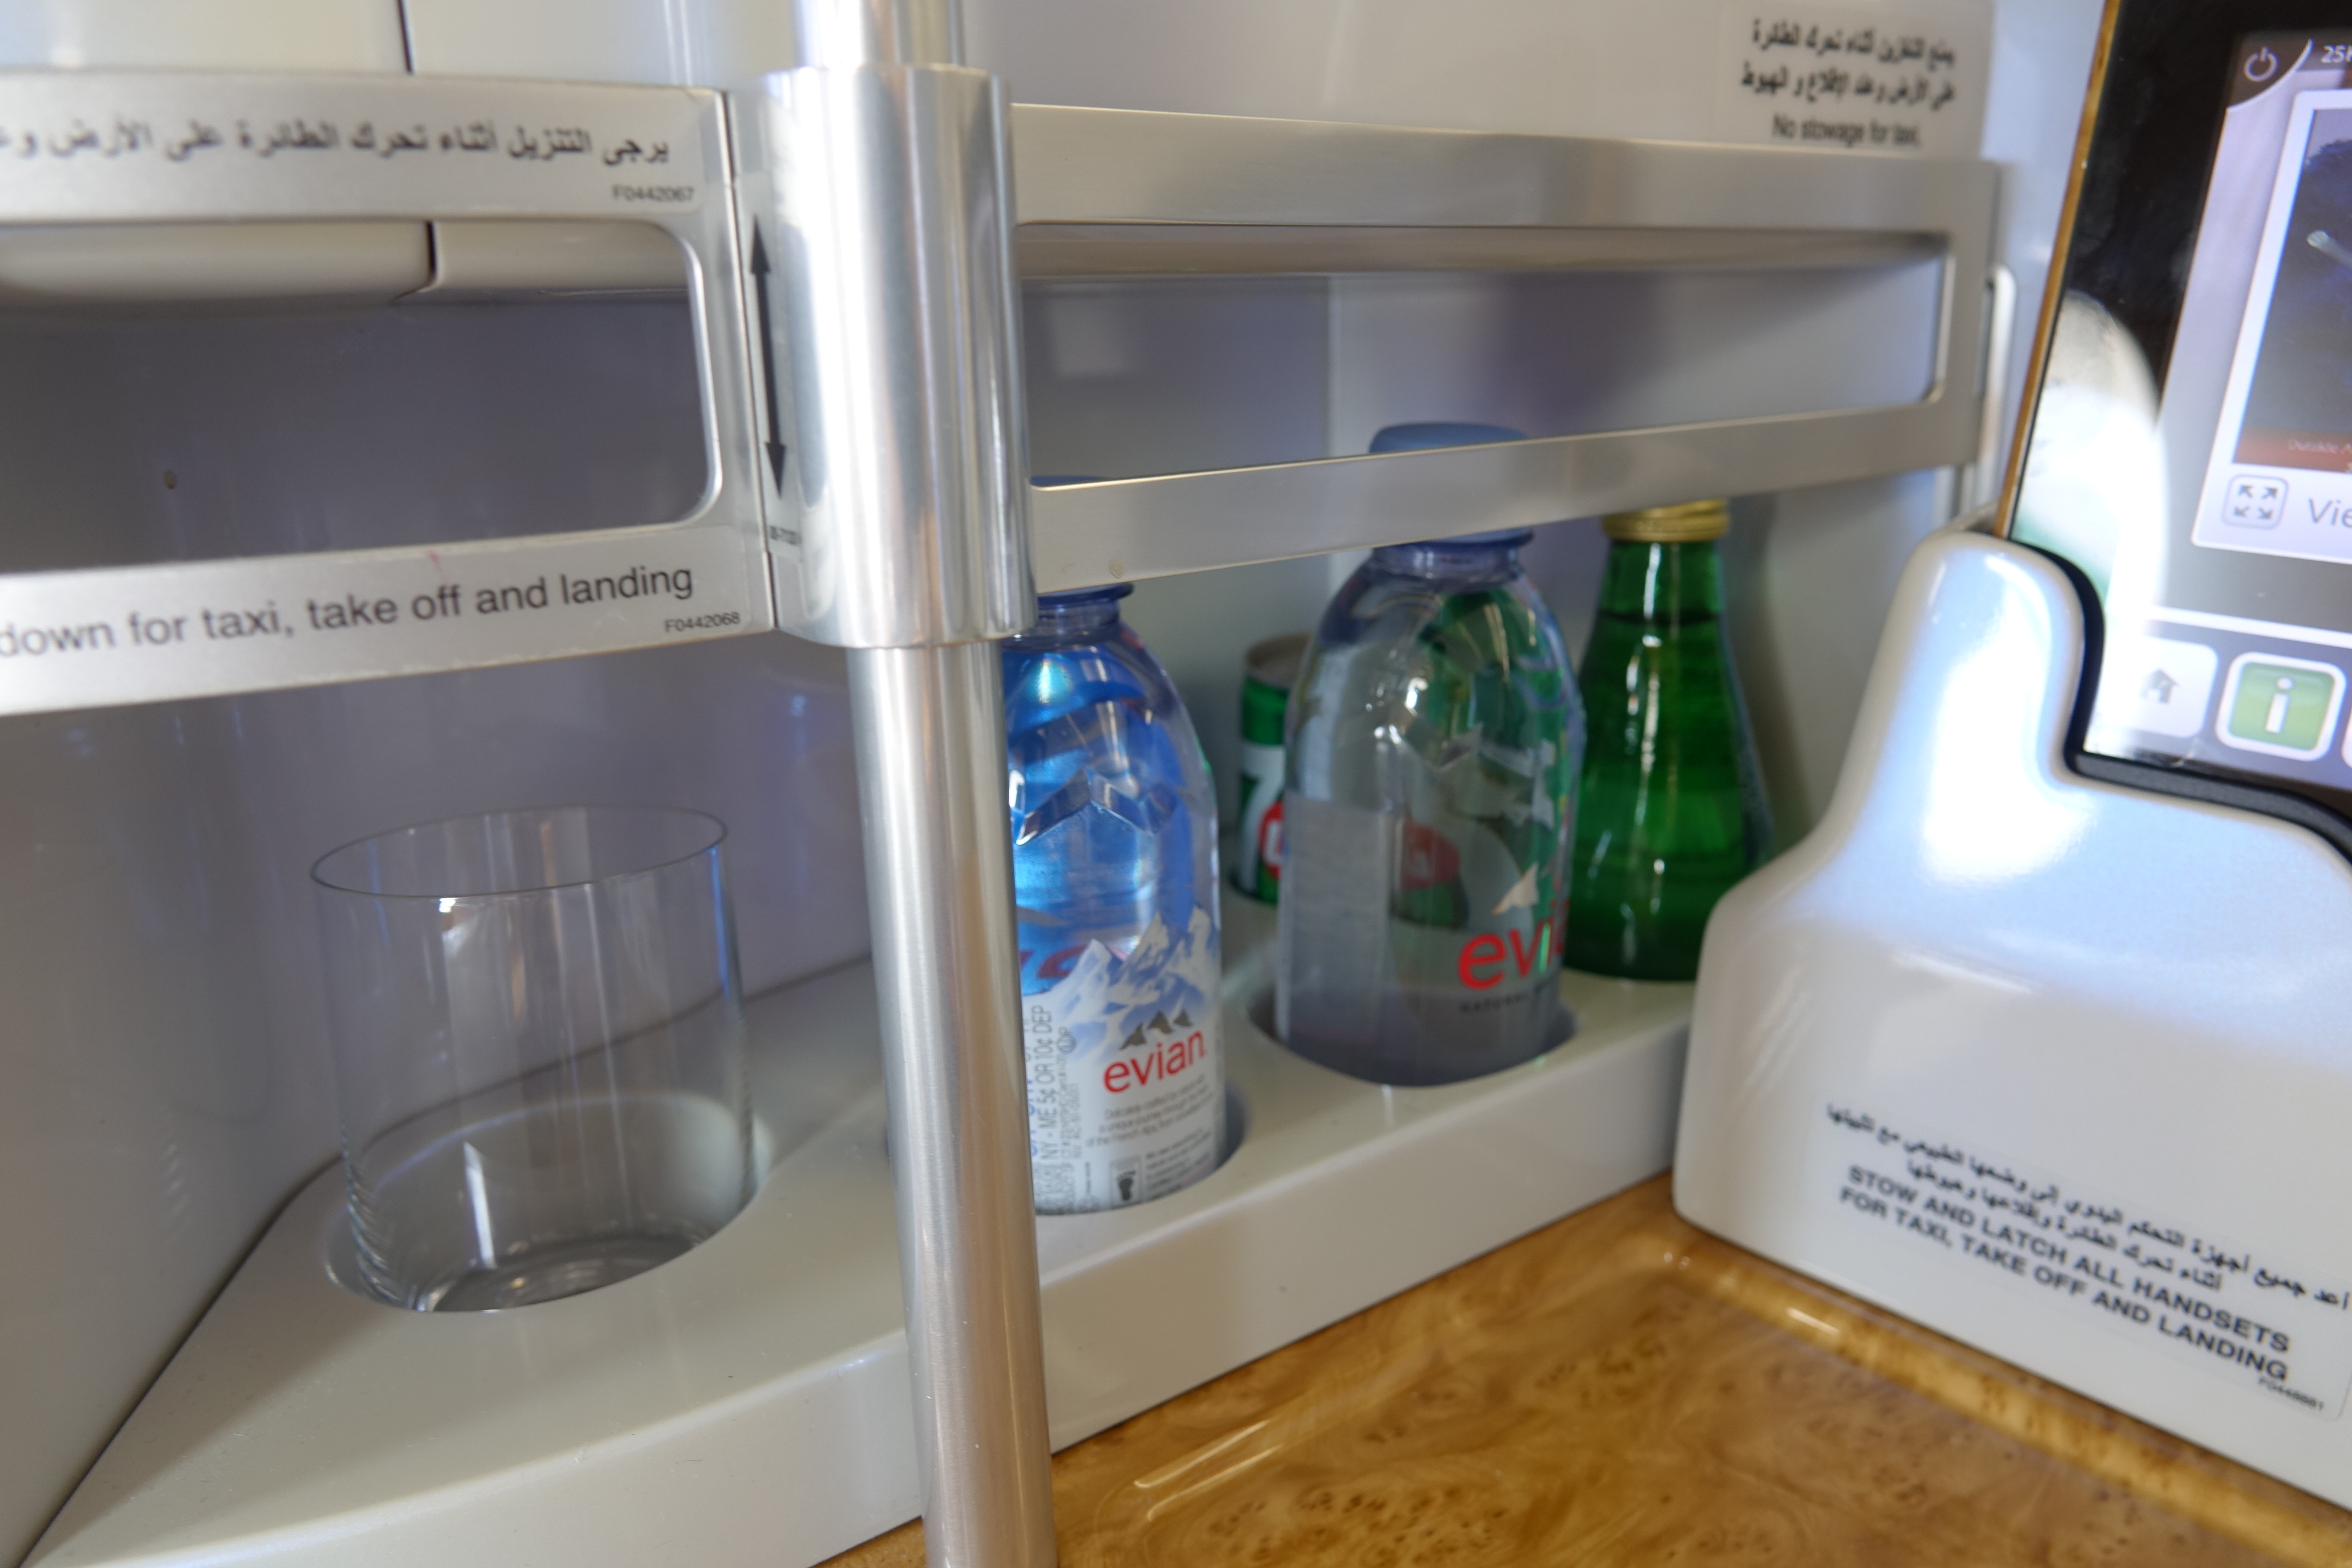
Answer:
(1276, 660)
(1688, 523)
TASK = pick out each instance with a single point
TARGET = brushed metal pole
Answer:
(914, 410)
(938, 856)
(879, 32)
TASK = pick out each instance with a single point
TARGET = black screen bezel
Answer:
(2162, 86)
(2158, 90)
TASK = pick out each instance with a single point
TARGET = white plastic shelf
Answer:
(748, 1403)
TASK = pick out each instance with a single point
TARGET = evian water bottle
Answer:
(1115, 869)
(1435, 739)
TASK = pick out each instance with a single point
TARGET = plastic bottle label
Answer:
(1126, 1072)
(1410, 951)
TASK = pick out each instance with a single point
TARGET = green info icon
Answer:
(2288, 709)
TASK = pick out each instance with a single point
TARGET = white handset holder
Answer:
(2059, 1067)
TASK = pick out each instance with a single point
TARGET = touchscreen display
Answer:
(2204, 481)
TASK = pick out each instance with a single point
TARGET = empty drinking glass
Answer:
(539, 1050)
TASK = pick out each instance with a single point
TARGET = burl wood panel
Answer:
(1620, 1388)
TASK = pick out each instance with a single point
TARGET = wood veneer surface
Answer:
(1622, 1388)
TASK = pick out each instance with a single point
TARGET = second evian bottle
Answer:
(1435, 738)
(1115, 871)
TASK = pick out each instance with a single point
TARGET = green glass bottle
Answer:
(1671, 812)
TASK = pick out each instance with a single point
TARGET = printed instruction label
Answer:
(118, 635)
(95, 145)
(1872, 78)
(1126, 1080)
(2258, 1321)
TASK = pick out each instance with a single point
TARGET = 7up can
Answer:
(1269, 669)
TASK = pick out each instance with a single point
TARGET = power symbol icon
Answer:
(2262, 65)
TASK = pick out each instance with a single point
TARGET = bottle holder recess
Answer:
(747, 1402)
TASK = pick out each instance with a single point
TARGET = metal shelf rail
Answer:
(1106, 193)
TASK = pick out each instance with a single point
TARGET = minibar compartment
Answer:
(136, 436)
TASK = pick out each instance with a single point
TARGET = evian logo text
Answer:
(1164, 1060)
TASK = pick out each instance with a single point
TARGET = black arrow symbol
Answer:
(768, 357)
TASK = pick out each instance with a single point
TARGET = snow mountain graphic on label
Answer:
(1107, 998)
(1160, 1025)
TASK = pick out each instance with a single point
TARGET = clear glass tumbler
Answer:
(539, 1050)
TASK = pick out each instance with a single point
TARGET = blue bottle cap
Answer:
(1078, 595)
(1500, 539)
(1082, 595)
(1430, 435)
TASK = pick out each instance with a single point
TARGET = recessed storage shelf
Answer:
(142, 631)
(748, 1403)
(1112, 193)
(1108, 196)
(1090, 179)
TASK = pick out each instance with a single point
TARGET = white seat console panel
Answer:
(2059, 1068)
